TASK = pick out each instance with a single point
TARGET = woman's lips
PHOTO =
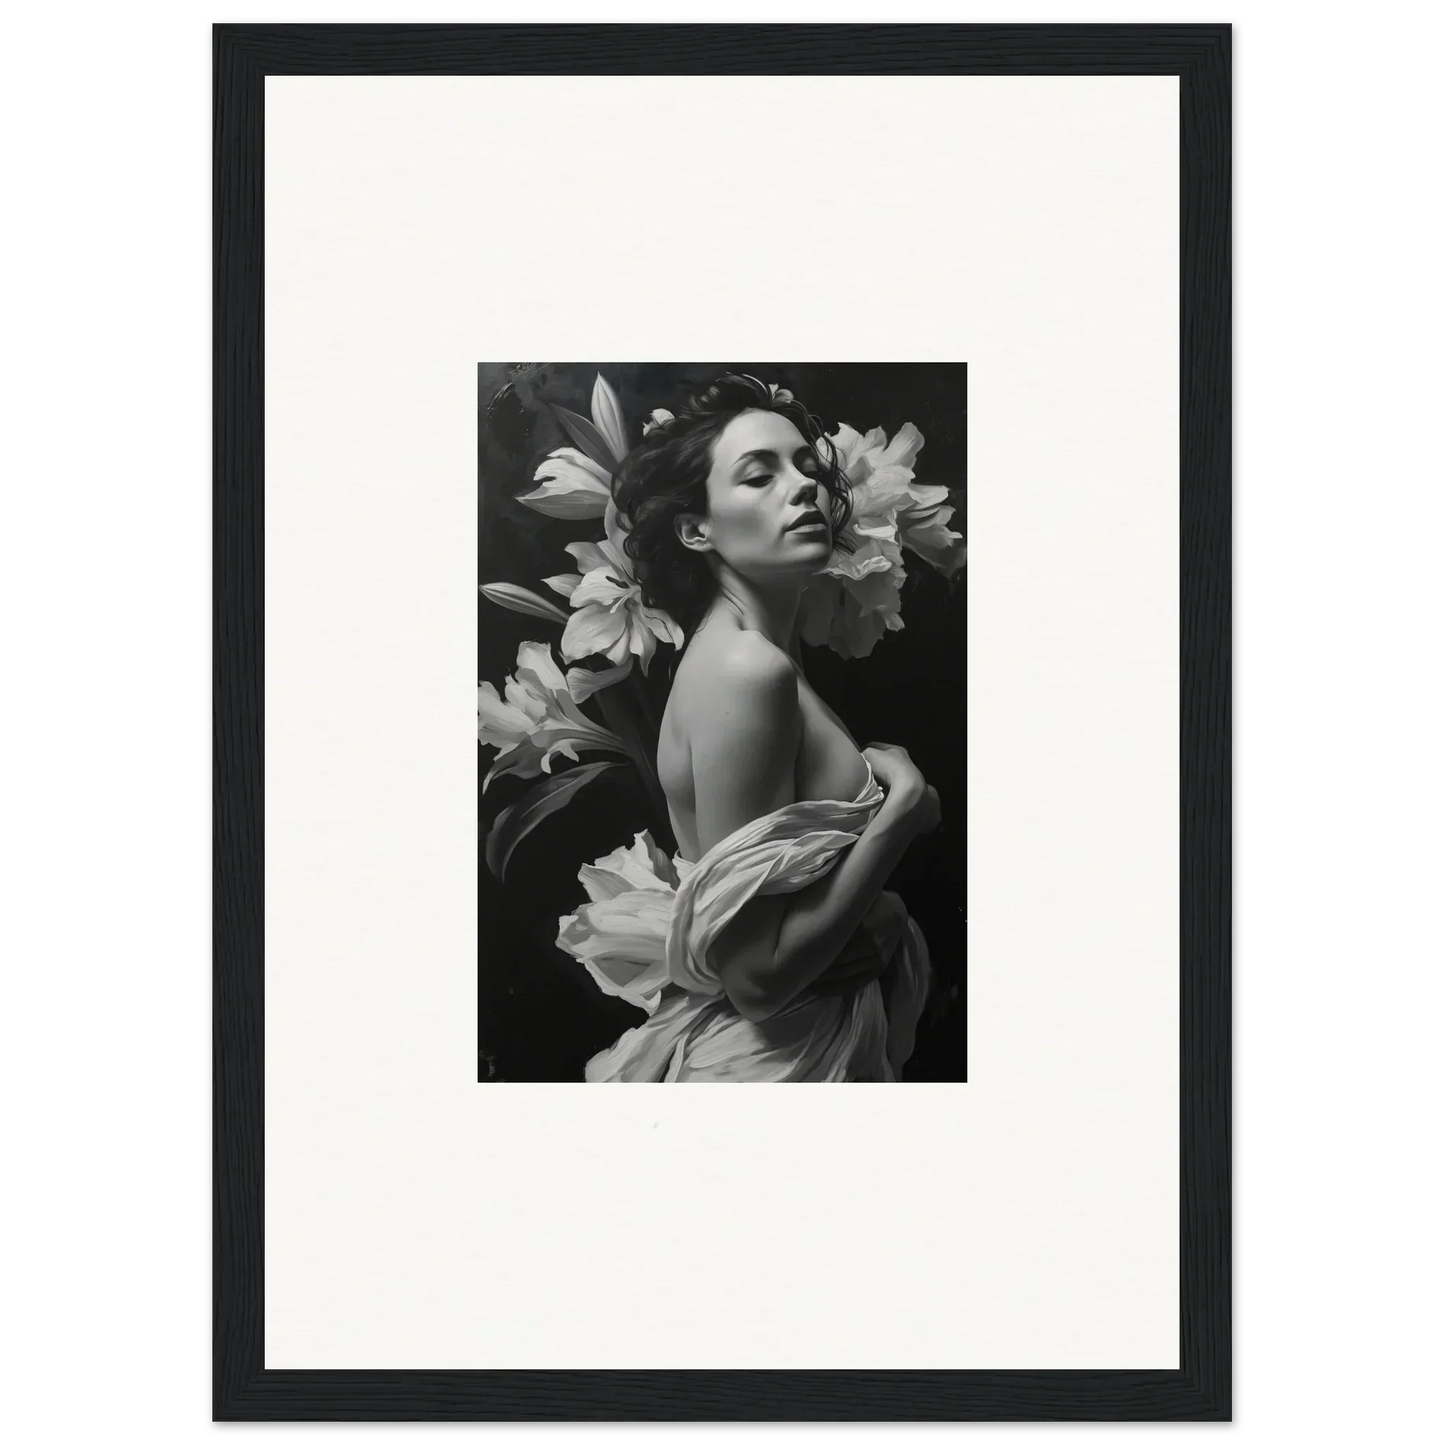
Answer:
(807, 521)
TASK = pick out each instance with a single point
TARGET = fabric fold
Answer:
(646, 935)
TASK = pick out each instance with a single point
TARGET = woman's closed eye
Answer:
(807, 468)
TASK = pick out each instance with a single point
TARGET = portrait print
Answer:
(722, 718)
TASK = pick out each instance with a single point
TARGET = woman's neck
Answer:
(773, 611)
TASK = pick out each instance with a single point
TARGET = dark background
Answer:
(540, 1016)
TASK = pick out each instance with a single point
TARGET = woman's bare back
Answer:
(827, 763)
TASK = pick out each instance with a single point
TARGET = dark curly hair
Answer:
(665, 477)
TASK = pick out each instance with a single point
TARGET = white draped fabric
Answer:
(646, 934)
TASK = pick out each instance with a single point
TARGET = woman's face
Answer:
(767, 509)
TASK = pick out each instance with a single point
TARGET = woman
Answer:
(784, 958)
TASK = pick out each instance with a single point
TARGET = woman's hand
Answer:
(908, 798)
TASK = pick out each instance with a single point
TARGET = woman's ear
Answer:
(692, 532)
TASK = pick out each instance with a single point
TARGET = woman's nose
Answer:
(805, 489)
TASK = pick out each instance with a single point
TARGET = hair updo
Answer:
(665, 477)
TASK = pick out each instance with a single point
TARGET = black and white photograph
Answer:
(723, 726)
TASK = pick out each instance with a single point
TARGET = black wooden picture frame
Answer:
(243, 1389)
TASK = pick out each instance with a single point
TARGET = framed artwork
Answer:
(847, 607)
(544, 494)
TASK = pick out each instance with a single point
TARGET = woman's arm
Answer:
(869, 952)
(744, 755)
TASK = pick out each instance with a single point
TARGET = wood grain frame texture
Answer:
(243, 1389)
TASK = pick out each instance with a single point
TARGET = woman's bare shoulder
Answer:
(736, 659)
(731, 672)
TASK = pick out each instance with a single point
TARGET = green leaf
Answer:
(514, 823)
(587, 437)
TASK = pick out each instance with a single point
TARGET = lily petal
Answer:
(589, 556)
(613, 548)
(905, 446)
(625, 643)
(662, 626)
(607, 417)
(519, 599)
(527, 695)
(642, 865)
(499, 724)
(573, 486)
(536, 658)
(537, 720)
(615, 535)
(565, 583)
(576, 467)
(583, 681)
(847, 445)
(560, 745)
(592, 631)
(857, 597)
(599, 588)
(946, 553)
(569, 506)
(925, 499)
(644, 644)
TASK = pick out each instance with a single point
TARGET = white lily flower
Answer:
(622, 943)
(536, 718)
(620, 934)
(573, 486)
(856, 598)
(578, 483)
(642, 865)
(880, 477)
(609, 618)
(659, 417)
